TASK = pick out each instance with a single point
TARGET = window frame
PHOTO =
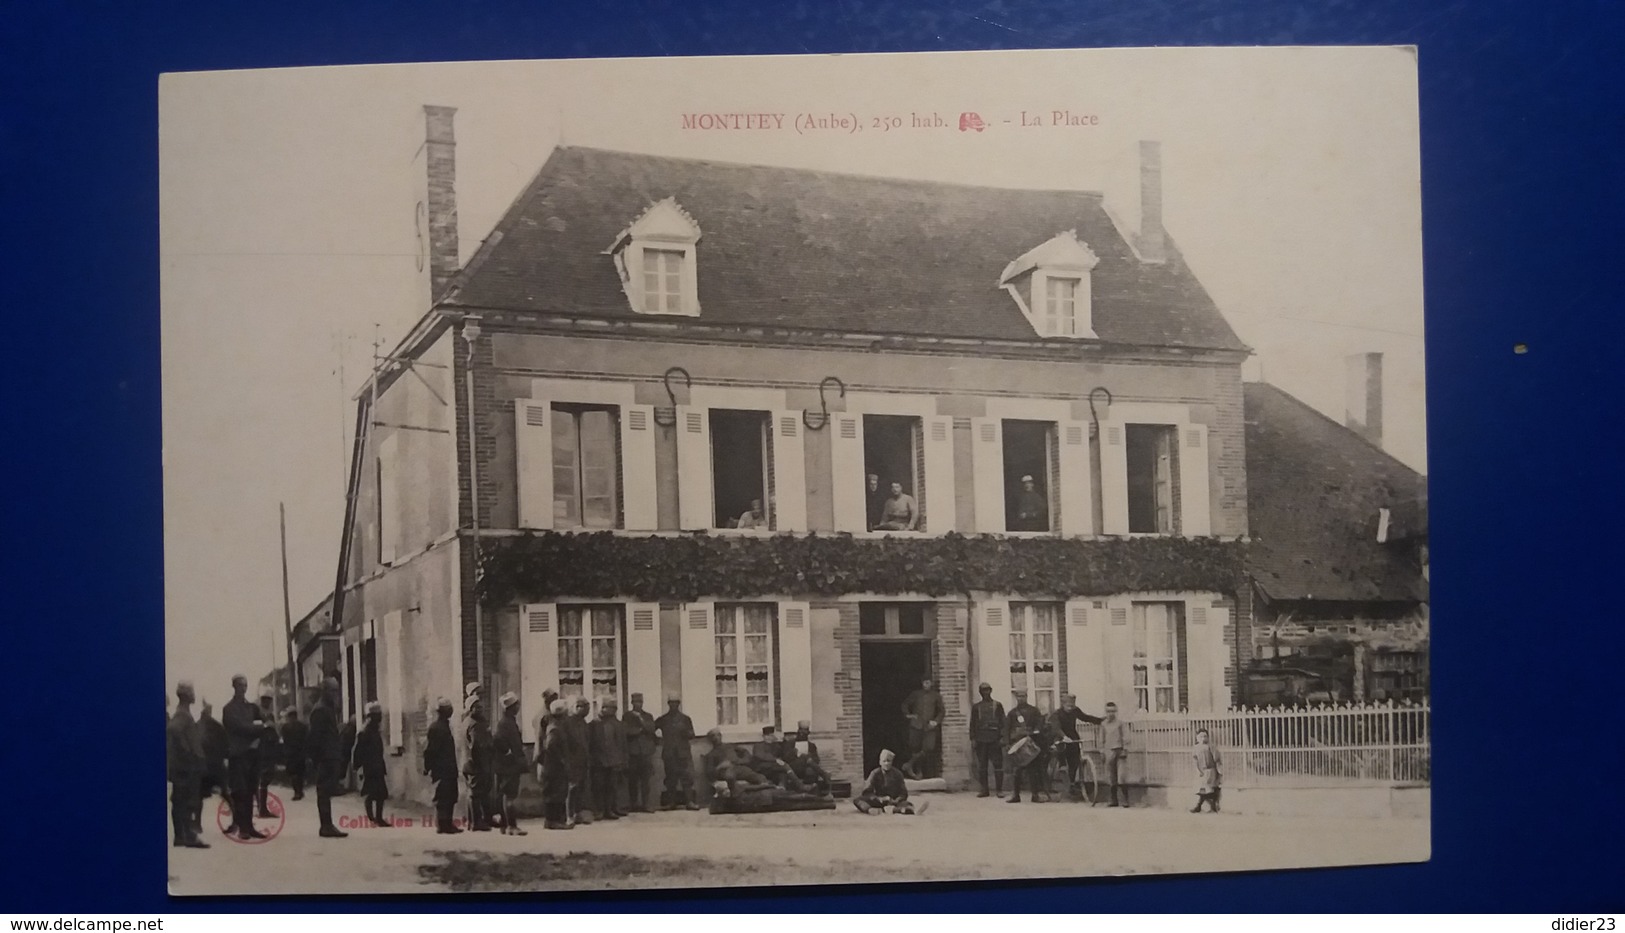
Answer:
(559, 411)
(1147, 695)
(1169, 433)
(585, 641)
(735, 613)
(1052, 452)
(1023, 631)
(1057, 324)
(769, 498)
(673, 262)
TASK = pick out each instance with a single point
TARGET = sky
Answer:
(288, 243)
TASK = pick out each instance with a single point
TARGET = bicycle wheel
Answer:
(1089, 779)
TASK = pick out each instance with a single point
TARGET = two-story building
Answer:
(630, 446)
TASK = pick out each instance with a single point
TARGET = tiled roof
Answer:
(813, 250)
(1314, 491)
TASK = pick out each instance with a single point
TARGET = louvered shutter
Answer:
(993, 646)
(1117, 656)
(1195, 511)
(538, 657)
(789, 473)
(394, 650)
(1219, 656)
(533, 460)
(699, 666)
(850, 484)
(939, 503)
(795, 663)
(1114, 477)
(1075, 488)
(1081, 657)
(987, 465)
(638, 509)
(695, 511)
(1198, 660)
(643, 653)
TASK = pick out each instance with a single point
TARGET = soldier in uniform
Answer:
(555, 761)
(606, 736)
(244, 725)
(270, 754)
(542, 720)
(765, 760)
(801, 754)
(327, 754)
(1025, 721)
(579, 760)
(369, 761)
(213, 735)
(508, 762)
(477, 766)
(923, 709)
(1063, 725)
(1032, 509)
(183, 759)
(640, 751)
(440, 764)
(294, 734)
(987, 738)
(676, 732)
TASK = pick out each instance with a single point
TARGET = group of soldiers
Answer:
(238, 754)
(1027, 741)
(586, 764)
(778, 764)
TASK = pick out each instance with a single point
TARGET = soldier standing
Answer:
(923, 709)
(294, 734)
(640, 750)
(477, 766)
(543, 719)
(987, 738)
(1026, 722)
(369, 761)
(270, 754)
(243, 722)
(555, 759)
(508, 761)
(213, 735)
(183, 757)
(578, 760)
(676, 732)
(440, 764)
(327, 754)
(1064, 724)
(607, 738)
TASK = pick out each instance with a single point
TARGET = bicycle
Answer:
(1089, 770)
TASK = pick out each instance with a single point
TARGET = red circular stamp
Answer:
(270, 827)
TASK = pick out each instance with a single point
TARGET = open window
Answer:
(1153, 478)
(893, 454)
(1031, 472)
(742, 469)
(586, 466)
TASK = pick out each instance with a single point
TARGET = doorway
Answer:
(891, 671)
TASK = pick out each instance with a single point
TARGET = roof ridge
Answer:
(828, 173)
(1334, 422)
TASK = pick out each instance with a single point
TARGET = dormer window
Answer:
(1050, 283)
(656, 260)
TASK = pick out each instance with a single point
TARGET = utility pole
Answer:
(287, 616)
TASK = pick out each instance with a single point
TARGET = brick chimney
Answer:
(1362, 395)
(440, 151)
(1151, 241)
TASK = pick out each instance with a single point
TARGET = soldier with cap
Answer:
(244, 726)
(294, 735)
(607, 738)
(640, 752)
(508, 753)
(923, 711)
(440, 764)
(801, 754)
(578, 760)
(213, 735)
(369, 761)
(543, 718)
(765, 760)
(885, 788)
(327, 754)
(555, 758)
(183, 759)
(1026, 723)
(1063, 725)
(270, 754)
(987, 738)
(477, 766)
(1032, 508)
(676, 732)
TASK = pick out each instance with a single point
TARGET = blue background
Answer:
(1523, 189)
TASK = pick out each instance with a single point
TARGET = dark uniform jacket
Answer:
(508, 748)
(294, 736)
(324, 735)
(883, 783)
(439, 751)
(213, 736)
(578, 750)
(676, 731)
(270, 740)
(1032, 512)
(607, 739)
(369, 751)
(640, 733)
(1025, 720)
(922, 708)
(1064, 722)
(183, 748)
(875, 502)
(480, 747)
(243, 727)
(793, 755)
(987, 721)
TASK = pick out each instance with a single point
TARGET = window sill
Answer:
(737, 735)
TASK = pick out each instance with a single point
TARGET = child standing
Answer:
(1207, 771)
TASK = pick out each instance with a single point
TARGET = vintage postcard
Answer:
(795, 470)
